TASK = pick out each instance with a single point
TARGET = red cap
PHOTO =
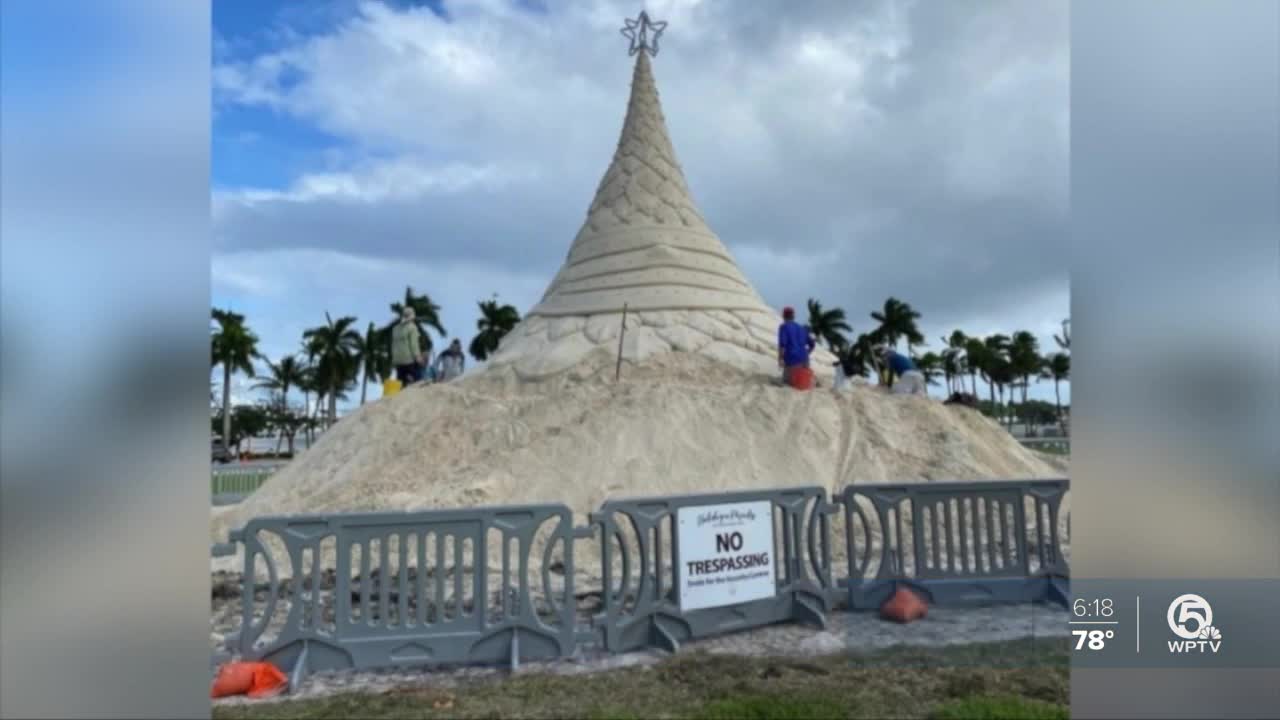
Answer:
(788, 311)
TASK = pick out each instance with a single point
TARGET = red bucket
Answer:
(800, 378)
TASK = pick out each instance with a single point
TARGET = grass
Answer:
(239, 480)
(1021, 679)
(1000, 708)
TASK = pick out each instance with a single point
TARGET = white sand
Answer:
(681, 423)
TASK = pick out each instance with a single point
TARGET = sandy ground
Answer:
(846, 633)
(677, 424)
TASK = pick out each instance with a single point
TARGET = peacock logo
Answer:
(1209, 632)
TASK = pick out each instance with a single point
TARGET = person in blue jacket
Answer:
(910, 381)
(795, 342)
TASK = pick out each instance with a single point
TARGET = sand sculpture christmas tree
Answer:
(646, 248)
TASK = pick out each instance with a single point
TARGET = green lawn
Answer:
(1021, 679)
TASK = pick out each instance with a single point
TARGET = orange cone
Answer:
(255, 679)
(905, 606)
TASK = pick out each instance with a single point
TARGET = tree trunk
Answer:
(315, 414)
(1057, 400)
(974, 377)
(333, 408)
(226, 405)
(1026, 416)
(291, 434)
(306, 411)
(364, 386)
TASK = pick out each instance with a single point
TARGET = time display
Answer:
(1097, 608)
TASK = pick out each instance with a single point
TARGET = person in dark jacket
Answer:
(451, 363)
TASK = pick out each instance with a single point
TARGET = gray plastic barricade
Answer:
(957, 543)
(400, 589)
(641, 559)
(491, 585)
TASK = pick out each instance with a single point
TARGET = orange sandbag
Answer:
(904, 607)
(255, 679)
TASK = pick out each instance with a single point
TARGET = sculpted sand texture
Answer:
(645, 245)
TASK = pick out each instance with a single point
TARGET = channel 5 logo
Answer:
(1191, 619)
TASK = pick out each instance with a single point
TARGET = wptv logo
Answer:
(1191, 619)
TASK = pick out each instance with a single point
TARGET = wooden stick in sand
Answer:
(617, 371)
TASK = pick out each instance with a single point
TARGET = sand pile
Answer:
(680, 423)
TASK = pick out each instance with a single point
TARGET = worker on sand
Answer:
(846, 369)
(406, 352)
(910, 380)
(450, 363)
(795, 342)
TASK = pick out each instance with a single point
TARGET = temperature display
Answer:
(1092, 639)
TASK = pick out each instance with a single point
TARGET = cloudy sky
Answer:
(846, 151)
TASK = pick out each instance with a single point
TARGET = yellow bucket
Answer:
(390, 387)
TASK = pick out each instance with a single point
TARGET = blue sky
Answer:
(844, 151)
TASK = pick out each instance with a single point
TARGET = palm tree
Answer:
(1057, 367)
(494, 323)
(930, 366)
(309, 383)
(953, 365)
(993, 364)
(828, 325)
(285, 375)
(425, 314)
(999, 371)
(898, 320)
(861, 355)
(952, 368)
(1025, 363)
(374, 356)
(282, 376)
(976, 360)
(234, 347)
(1064, 341)
(337, 345)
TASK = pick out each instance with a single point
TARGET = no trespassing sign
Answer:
(726, 554)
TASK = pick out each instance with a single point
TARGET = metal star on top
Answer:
(638, 32)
